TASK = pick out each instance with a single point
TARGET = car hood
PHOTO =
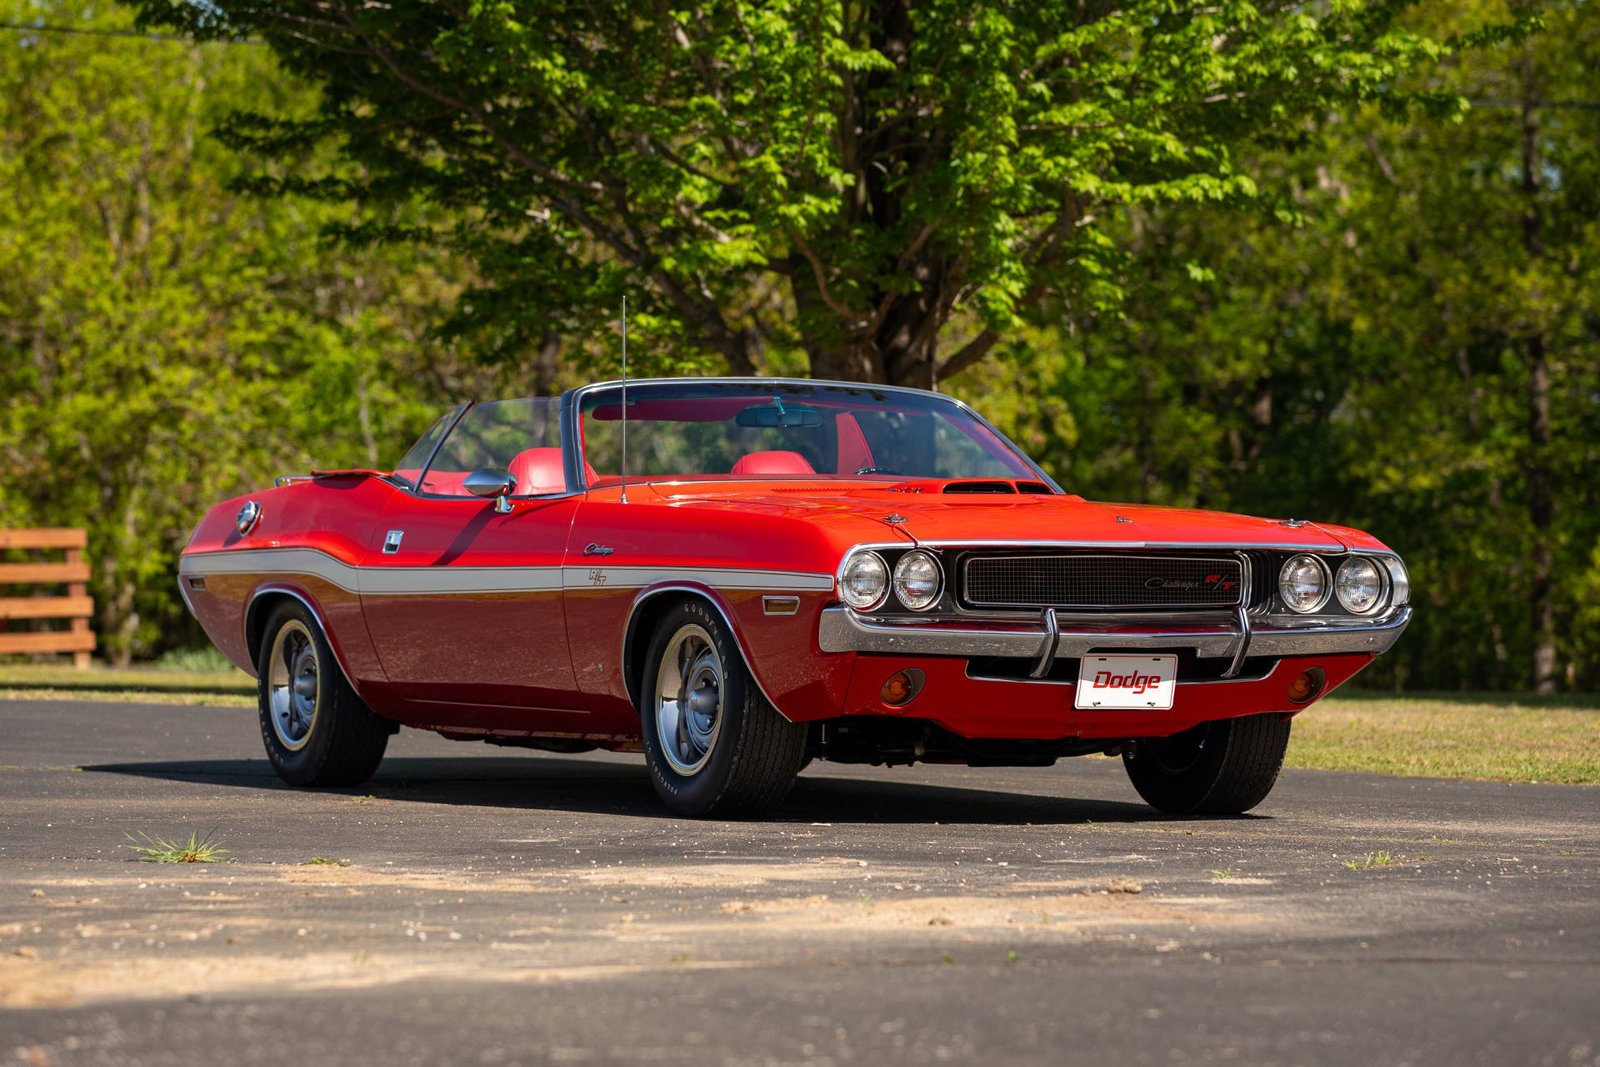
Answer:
(853, 514)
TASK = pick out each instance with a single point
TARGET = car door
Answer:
(464, 605)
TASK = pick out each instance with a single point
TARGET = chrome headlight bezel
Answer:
(1378, 585)
(864, 557)
(1325, 577)
(1399, 581)
(915, 557)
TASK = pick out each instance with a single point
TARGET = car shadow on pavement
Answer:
(577, 785)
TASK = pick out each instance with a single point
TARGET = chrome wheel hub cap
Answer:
(689, 700)
(294, 686)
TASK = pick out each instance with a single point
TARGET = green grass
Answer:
(323, 861)
(1370, 861)
(226, 685)
(130, 696)
(201, 660)
(1498, 737)
(160, 850)
(1518, 737)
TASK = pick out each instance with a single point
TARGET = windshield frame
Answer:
(453, 415)
(460, 412)
(574, 401)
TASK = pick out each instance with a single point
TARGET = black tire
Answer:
(1225, 767)
(740, 761)
(342, 742)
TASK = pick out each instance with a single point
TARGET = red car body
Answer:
(528, 622)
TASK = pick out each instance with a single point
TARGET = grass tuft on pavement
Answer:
(161, 850)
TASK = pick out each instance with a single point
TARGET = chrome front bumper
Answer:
(844, 630)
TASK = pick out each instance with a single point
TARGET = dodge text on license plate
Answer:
(1146, 682)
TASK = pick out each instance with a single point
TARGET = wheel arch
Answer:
(261, 604)
(647, 611)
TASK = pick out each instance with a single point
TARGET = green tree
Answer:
(165, 341)
(1421, 357)
(880, 187)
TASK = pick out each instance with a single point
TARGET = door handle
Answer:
(391, 542)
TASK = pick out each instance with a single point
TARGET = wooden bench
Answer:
(76, 606)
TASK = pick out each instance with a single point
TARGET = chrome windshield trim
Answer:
(845, 630)
(575, 398)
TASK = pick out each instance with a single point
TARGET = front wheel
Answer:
(316, 729)
(1225, 767)
(715, 746)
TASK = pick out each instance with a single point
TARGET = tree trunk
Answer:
(893, 336)
(903, 350)
(1541, 505)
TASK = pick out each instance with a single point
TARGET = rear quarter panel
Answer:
(308, 535)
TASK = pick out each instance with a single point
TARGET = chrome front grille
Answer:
(1100, 582)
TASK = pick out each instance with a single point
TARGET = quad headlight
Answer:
(864, 580)
(918, 580)
(1359, 585)
(1303, 584)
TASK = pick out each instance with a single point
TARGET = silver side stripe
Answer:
(285, 561)
(444, 580)
(719, 577)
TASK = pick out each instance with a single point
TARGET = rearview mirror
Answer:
(491, 482)
(777, 415)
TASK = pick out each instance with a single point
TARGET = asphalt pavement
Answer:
(484, 906)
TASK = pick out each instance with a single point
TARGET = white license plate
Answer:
(1120, 682)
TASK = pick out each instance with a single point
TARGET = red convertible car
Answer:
(738, 576)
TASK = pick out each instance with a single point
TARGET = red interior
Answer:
(776, 462)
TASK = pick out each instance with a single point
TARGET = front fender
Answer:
(779, 646)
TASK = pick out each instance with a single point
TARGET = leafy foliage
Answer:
(166, 341)
(1375, 366)
(863, 182)
(1256, 256)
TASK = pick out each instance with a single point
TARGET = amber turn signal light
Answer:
(902, 687)
(1307, 684)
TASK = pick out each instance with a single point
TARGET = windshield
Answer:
(519, 436)
(789, 430)
(409, 469)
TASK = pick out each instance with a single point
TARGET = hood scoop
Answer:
(975, 487)
(995, 485)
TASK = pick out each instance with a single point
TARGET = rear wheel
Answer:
(316, 730)
(714, 744)
(1225, 767)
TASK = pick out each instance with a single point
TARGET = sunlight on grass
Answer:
(1511, 738)
(223, 685)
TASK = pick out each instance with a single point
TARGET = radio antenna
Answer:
(622, 478)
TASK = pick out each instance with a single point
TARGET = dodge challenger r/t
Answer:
(738, 576)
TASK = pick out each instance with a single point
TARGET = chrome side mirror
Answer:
(491, 481)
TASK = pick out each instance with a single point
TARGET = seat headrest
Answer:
(773, 463)
(538, 470)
